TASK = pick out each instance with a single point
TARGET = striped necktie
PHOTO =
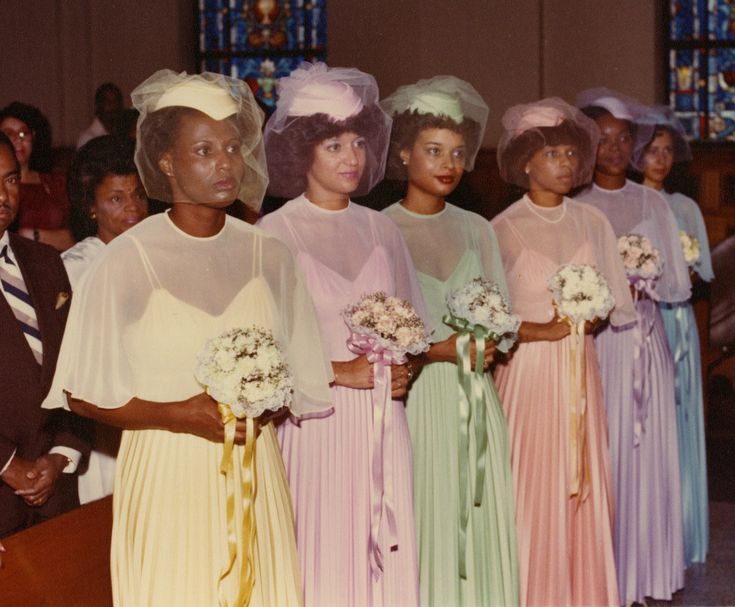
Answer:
(20, 302)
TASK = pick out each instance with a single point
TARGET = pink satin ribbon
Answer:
(381, 494)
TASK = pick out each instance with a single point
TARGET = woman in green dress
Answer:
(463, 497)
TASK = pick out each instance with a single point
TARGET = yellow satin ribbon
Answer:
(247, 573)
(579, 485)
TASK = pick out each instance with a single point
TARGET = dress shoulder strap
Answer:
(147, 266)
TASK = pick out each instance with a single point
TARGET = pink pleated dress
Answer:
(329, 461)
(565, 541)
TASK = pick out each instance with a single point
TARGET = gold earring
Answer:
(527, 171)
(93, 215)
(405, 162)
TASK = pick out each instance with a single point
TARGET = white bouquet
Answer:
(245, 370)
(640, 258)
(481, 302)
(388, 323)
(581, 293)
(690, 246)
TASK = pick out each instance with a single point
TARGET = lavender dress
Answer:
(638, 381)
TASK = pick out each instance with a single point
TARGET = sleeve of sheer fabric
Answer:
(492, 262)
(605, 243)
(404, 273)
(674, 284)
(93, 363)
(309, 364)
(704, 266)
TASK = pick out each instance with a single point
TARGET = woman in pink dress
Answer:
(350, 480)
(563, 511)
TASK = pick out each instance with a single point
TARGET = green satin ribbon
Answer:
(472, 396)
(247, 573)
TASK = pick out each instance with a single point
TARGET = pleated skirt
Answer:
(491, 559)
(649, 551)
(169, 536)
(329, 466)
(565, 550)
(683, 336)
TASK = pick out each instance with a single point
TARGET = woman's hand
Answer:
(356, 373)
(554, 330)
(446, 351)
(200, 416)
(591, 327)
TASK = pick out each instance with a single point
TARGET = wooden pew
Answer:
(63, 562)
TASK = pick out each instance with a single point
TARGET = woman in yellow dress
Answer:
(141, 315)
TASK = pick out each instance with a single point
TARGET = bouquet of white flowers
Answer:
(481, 303)
(690, 246)
(245, 370)
(388, 323)
(385, 329)
(581, 293)
(640, 258)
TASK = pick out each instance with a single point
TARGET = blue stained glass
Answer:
(721, 89)
(723, 20)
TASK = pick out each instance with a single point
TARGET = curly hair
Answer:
(521, 149)
(296, 144)
(40, 127)
(407, 126)
(95, 160)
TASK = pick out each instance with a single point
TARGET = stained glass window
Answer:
(701, 53)
(260, 40)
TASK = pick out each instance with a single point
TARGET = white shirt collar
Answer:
(5, 240)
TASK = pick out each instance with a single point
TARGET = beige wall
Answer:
(512, 51)
(56, 52)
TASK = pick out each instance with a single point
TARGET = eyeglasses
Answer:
(20, 135)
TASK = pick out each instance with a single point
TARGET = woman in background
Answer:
(637, 368)
(44, 207)
(144, 311)
(350, 480)
(668, 146)
(550, 389)
(438, 126)
(107, 198)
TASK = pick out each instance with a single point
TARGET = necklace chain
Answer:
(531, 206)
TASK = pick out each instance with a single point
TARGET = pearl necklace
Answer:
(531, 208)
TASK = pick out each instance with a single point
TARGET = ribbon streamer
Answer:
(247, 572)
(472, 399)
(578, 465)
(683, 363)
(382, 472)
(642, 330)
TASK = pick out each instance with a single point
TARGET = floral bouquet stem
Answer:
(477, 311)
(384, 329)
(244, 371)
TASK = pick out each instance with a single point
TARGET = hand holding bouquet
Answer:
(243, 369)
(642, 262)
(385, 329)
(480, 303)
(581, 293)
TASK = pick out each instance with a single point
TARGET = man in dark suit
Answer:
(39, 450)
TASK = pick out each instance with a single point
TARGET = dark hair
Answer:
(34, 119)
(5, 140)
(407, 126)
(103, 89)
(521, 149)
(296, 144)
(126, 123)
(95, 160)
(595, 112)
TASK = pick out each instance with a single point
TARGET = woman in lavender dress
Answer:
(637, 368)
